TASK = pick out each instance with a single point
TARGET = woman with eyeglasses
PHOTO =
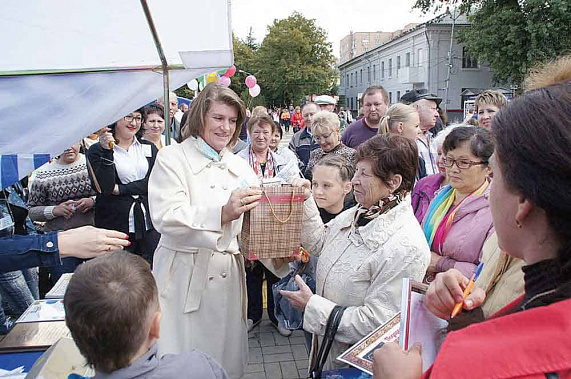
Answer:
(120, 168)
(458, 220)
(326, 130)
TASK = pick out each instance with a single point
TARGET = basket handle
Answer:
(290, 208)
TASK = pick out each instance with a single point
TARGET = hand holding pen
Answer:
(467, 291)
(447, 290)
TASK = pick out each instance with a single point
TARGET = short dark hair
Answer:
(150, 109)
(480, 140)
(113, 126)
(391, 154)
(374, 89)
(109, 305)
(262, 120)
(346, 170)
(279, 129)
(201, 105)
(533, 148)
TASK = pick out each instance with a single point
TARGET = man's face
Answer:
(307, 113)
(374, 107)
(428, 112)
(173, 105)
(327, 107)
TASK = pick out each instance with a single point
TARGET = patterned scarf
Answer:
(438, 220)
(208, 151)
(268, 172)
(363, 215)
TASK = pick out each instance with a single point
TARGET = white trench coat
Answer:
(197, 265)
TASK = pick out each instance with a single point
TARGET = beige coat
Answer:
(197, 265)
(501, 277)
(361, 268)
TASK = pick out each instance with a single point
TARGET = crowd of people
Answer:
(398, 193)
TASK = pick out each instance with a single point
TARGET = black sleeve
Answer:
(103, 165)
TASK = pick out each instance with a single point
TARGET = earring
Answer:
(519, 225)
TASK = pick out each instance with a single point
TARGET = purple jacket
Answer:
(423, 193)
(471, 227)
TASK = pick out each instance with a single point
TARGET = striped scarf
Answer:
(363, 215)
(440, 215)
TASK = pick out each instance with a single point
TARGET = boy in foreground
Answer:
(113, 313)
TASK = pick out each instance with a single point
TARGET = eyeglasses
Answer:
(462, 164)
(130, 118)
(322, 138)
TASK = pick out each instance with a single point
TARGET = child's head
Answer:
(112, 310)
(331, 181)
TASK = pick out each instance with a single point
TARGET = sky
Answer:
(338, 18)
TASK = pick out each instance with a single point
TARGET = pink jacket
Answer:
(423, 193)
(472, 225)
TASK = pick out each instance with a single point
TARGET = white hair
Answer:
(440, 137)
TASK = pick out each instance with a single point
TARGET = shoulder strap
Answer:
(330, 331)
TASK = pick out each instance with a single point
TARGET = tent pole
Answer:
(164, 66)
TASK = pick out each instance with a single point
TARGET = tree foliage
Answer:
(512, 36)
(294, 60)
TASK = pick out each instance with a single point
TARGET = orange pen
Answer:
(468, 290)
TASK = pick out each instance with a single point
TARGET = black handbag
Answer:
(330, 330)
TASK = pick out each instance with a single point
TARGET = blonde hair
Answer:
(325, 120)
(201, 105)
(259, 111)
(550, 73)
(492, 97)
(396, 113)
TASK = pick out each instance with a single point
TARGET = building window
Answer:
(361, 76)
(351, 82)
(407, 60)
(398, 95)
(382, 70)
(419, 58)
(374, 72)
(351, 103)
(347, 82)
(377, 41)
(390, 97)
(467, 60)
(365, 42)
(368, 74)
(390, 68)
(398, 62)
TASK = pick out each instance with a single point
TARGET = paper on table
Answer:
(44, 310)
(17, 373)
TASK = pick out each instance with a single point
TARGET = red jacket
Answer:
(296, 119)
(527, 344)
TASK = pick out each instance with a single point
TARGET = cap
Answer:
(325, 99)
(419, 94)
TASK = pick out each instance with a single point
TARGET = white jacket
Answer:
(361, 268)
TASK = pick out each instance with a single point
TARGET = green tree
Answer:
(512, 36)
(294, 60)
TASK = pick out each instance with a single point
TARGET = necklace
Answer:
(535, 297)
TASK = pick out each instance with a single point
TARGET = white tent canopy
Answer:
(70, 67)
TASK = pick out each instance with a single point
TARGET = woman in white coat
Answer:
(366, 251)
(198, 191)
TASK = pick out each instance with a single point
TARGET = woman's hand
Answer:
(434, 258)
(447, 289)
(64, 210)
(298, 299)
(303, 183)
(105, 138)
(85, 204)
(390, 361)
(88, 242)
(241, 200)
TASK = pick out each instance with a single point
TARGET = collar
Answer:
(306, 133)
(137, 369)
(198, 162)
(379, 230)
(135, 143)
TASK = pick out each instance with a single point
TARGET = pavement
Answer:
(273, 356)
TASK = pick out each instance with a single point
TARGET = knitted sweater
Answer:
(54, 184)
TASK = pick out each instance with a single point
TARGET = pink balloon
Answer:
(251, 81)
(255, 90)
(224, 80)
(231, 71)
